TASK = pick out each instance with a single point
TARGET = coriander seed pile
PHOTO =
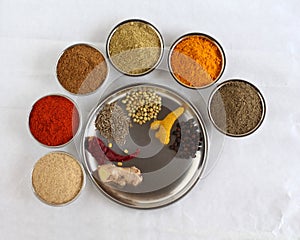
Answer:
(142, 105)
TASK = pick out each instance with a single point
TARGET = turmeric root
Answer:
(164, 126)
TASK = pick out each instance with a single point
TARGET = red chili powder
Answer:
(53, 120)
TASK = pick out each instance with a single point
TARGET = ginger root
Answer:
(119, 175)
(164, 126)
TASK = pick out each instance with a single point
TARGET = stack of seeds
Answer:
(142, 105)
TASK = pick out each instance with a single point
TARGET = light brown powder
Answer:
(135, 47)
(57, 178)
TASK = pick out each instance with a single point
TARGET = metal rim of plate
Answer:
(141, 201)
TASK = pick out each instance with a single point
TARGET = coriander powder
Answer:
(134, 47)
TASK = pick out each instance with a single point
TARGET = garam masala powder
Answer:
(237, 107)
(81, 69)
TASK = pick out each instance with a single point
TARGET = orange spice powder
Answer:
(196, 61)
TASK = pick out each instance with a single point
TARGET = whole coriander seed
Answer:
(142, 105)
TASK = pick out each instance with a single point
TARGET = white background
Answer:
(254, 190)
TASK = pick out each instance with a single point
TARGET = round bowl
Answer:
(166, 174)
(49, 138)
(193, 72)
(81, 69)
(57, 178)
(236, 108)
(138, 58)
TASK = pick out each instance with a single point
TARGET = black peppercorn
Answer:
(188, 139)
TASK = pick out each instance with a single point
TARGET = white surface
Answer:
(254, 190)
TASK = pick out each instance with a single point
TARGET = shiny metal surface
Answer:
(166, 178)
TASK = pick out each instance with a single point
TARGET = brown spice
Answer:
(81, 69)
(196, 61)
(237, 108)
(57, 178)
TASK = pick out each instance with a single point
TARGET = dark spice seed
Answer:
(186, 144)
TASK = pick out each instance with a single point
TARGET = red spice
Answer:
(53, 120)
(102, 153)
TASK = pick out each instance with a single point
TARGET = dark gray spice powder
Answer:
(236, 108)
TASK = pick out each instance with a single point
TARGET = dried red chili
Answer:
(54, 120)
(102, 153)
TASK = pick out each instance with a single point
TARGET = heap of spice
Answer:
(57, 178)
(236, 108)
(113, 123)
(54, 120)
(142, 105)
(188, 139)
(135, 47)
(196, 61)
(81, 69)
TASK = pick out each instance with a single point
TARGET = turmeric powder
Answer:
(164, 126)
(196, 61)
